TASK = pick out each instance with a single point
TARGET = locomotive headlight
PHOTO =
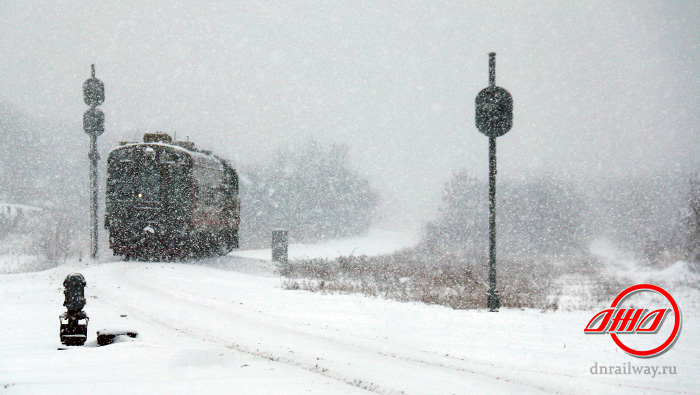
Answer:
(150, 153)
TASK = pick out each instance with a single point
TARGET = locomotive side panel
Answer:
(207, 176)
(232, 203)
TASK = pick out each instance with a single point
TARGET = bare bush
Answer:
(53, 238)
(540, 283)
(413, 275)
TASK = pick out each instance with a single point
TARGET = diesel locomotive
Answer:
(166, 198)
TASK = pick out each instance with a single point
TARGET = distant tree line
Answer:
(656, 217)
(538, 216)
(311, 191)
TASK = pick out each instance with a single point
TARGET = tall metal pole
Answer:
(94, 157)
(492, 70)
(494, 301)
(93, 125)
(494, 118)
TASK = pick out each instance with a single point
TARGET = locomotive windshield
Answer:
(128, 181)
(148, 188)
(118, 184)
(133, 175)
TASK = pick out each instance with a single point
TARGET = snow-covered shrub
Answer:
(39, 242)
(53, 238)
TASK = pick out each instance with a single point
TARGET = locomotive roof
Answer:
(207, 156)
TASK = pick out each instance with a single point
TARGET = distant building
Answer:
(12, 215)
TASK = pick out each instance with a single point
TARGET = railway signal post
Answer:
(93, 125)
(74, 322)
(494, 118)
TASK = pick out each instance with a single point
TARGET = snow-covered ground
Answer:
(226, 326)
(376, 242)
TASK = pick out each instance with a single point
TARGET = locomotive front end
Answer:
(147, 205)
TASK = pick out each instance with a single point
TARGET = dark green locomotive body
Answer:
(165, 199)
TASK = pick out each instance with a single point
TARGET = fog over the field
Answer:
(601, 88)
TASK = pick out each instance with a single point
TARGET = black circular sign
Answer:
(494, 111)
(94, 121)
(93, 92)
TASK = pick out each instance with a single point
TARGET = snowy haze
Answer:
(600, 88)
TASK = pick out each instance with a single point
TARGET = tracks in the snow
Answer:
(235, 326)
(197, 303)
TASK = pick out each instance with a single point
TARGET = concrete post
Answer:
(279, 246)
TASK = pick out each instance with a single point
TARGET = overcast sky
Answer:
(599, 88)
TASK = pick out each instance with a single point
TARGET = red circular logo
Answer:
(666, 345)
